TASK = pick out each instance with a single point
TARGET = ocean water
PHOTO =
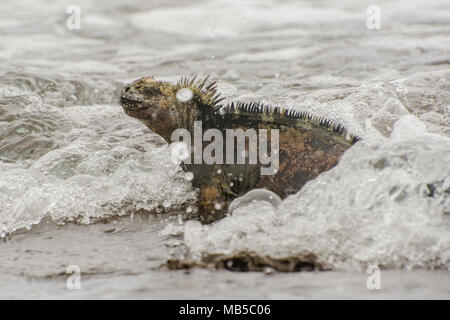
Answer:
(82, 184)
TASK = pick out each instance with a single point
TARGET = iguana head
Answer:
(165, 107)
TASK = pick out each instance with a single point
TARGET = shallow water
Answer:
(72, 163)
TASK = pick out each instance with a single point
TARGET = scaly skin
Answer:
(308, 145)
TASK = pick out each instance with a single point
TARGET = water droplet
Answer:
(189, 176)
(348, 136)
(269, 270)
(166, 203)
(219, 171)
(184, 95)
(179, 152)
(222, 111)
(255, 195)
(218, 206)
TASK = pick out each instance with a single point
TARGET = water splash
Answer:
(383, 204)
(80, 163)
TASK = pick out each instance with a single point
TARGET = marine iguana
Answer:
(308, 144)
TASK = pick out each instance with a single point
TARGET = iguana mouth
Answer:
(131, 103)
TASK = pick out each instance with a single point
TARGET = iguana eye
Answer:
(150, 91)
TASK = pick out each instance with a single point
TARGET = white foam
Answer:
(104, 166)
(386, 203)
